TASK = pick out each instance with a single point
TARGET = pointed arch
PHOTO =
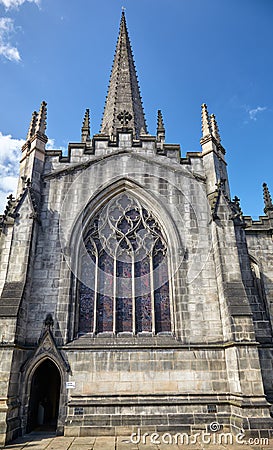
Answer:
(44, 396)
(105, 193)
(135, 311)
(46, 351)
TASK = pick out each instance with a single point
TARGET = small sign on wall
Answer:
(70, 385)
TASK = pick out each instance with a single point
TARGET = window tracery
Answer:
(124, 283)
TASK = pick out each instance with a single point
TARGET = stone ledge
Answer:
(114, 343)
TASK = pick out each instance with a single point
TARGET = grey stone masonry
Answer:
(259, 238)
(206, 354)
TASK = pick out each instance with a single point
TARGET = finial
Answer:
(32, 125)
(49, 322)
(123, 19)
(236, 202)
(86, 126)
(160, 126)
(214, 128)
(206, 127)
(10, 203)
(142, 132)
(267, 199)
(41, 119)
(237, 215)
(160, 123)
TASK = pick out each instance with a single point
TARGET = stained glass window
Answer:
(143, 299)
(124, 280)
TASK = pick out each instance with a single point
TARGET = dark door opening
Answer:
(44, 398)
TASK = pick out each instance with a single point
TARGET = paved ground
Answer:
(51, 442)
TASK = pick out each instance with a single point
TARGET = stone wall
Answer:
(260, 247)
(207, 368)
(176, 195)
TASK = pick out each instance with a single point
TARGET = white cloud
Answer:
(6, 49)
(253, 112)
(16, 3)
(9, 52)
(8, 183)
(50, 144)
(10, 152)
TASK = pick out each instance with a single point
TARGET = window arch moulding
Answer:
(124, 264)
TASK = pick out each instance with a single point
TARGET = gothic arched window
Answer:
(124, 280)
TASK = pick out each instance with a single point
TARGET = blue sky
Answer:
(186, 51)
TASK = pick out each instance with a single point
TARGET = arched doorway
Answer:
(44, 398)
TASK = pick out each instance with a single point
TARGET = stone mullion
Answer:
(170, 295)
(133, 296)
(152, 293)
(115, 296)
(96, 296)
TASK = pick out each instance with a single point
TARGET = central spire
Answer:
(123, 93)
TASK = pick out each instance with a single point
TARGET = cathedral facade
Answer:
(134, 293)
